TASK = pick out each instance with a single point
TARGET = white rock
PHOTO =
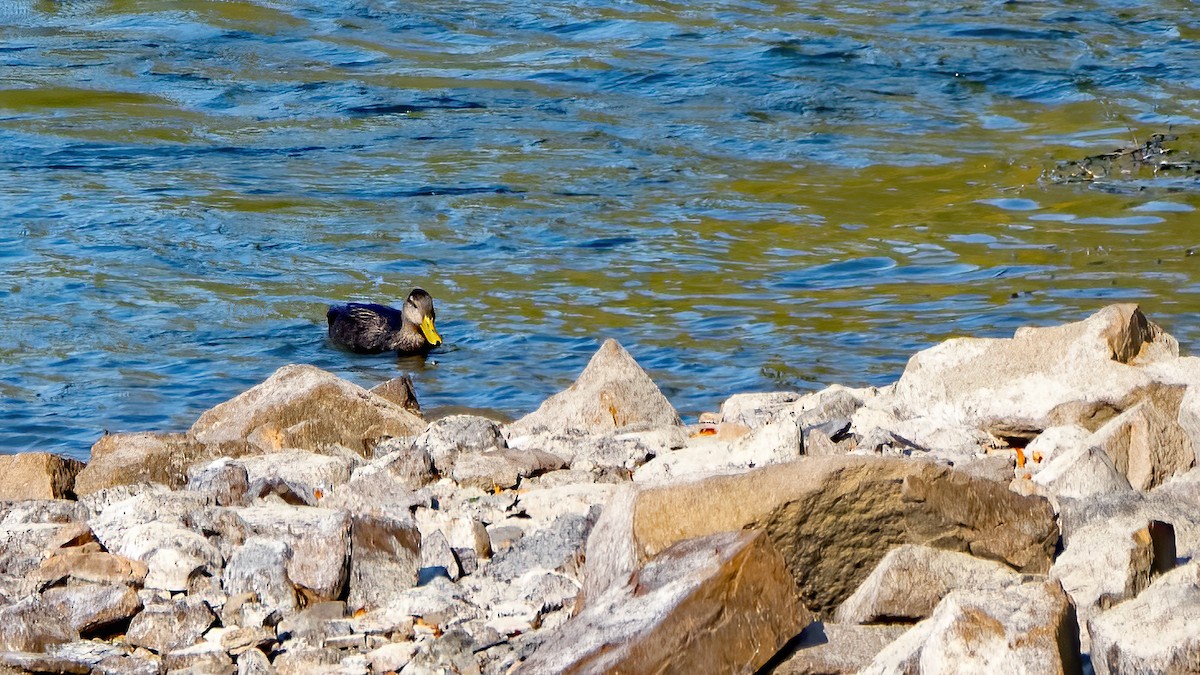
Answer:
(318, 538)
(612, 393)
(259, 566)
(1027, 628)
(1156, 632)
(1109, 561)
(911, 580)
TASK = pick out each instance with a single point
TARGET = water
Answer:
(748, 195)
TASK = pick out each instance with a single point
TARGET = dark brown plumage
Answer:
(370, 328)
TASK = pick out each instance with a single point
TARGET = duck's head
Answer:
(418, 310)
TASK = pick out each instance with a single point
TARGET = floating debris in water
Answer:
(1150, 159)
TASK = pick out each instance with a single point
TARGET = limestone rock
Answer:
(832, 518)
(299, 477)
(607, 457)
(28, 662)
(436, 553)
(225, 479)
(254, 662)
(1082, 372)
(1156, 632)
(96, 567)
(834, 649)
(1189, 416)
(392, 656)
(502, 468)
(399, 390)
(755, 409)
(722, 603)
(409, 464)
(28, 626)
(911, 580)
(1028, 628)
(557, 547)
(305, 408)
(202, 657)
(314, 623)
(445, 439)
(122, 459)
(260, 566)
(42, 511)
(88, 607)
(1146, 444)
(318, 538)
(37, 475)
(386, 557)
(545, 504)
(24, 545)
(163, 628)
(1082, 472)
(1109, 562)
(612, 393)
(774, 442)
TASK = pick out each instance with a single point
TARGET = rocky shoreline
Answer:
(1027, 505)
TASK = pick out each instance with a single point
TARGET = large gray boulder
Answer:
(612, 393)
(832, 518)
(260, 566)
(722, 603)
(1083, 372)
(306, 408)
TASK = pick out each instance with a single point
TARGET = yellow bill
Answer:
(430, 332)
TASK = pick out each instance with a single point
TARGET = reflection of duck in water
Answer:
(370, 328)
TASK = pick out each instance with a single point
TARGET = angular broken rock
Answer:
(37, 475)
(386, 558)
(832, 519)
(1156, 632)
(1083, 372)
(1080, 472)
(829, 648)
(722, 603)
(162, 628)
(557, 547)
(259, 566)
(445, 439)
(399, 390)
(1028, 628)
(1110, 561)
(88, 607)
(612, 393)
(125, 459)
(305, 408)
(502, 468)
(319, 540)
(96, 567)
(225, 479)
(437, 554)
(1146, 443)
(911, 580)
(28, 626)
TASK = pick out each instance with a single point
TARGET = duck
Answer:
(368, 328)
